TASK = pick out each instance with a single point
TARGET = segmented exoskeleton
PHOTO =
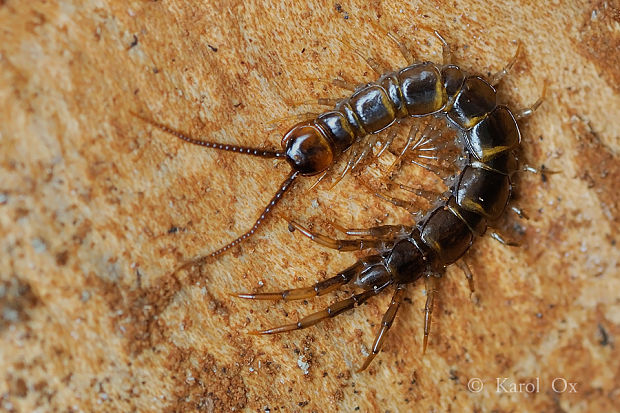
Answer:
(488, 134)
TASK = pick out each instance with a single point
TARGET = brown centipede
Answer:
(488, 135)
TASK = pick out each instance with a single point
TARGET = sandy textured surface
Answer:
(97, 209)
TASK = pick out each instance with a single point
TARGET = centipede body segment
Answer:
(400, 255)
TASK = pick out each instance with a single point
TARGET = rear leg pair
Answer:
(375, 238)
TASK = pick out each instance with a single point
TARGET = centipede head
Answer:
(307, 149)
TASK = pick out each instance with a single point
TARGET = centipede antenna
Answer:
(261, 153)
(266, 212)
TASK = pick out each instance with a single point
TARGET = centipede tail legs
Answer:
(386, 323)
(476, 169)
(318, 289)
(332, 311)
(431, 282)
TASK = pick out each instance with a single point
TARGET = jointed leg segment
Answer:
(333, 310)
(320, 288)
(341, 244)
(431, 283)
(386, 323)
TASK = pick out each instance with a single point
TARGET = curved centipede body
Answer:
(400, 255)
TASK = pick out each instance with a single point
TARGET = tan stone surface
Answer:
(96, 209)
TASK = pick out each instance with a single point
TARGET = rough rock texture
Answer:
(97, 209)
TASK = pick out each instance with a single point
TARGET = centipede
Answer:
(398, 255)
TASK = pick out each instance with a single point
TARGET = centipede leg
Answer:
(538, 171)
(410, 206)
(333, 310)
(427, 194)
(386, 323)
(527, 112)
(293, 118)
(382, 231)
(340, 244)
(520, 213)
(431, 282)
(497, 237)
(404, 50)
(497, 77)
(374, 65)
(338, 82)
(319, 179)
(468, 274)
(330, 102)
(356, 155)
(388, 141)
(341, 83)
(367, 148)
(413, 132)
(445, 49)
(318, 289)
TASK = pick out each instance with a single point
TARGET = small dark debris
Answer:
(357, 408)
(134, 42)
(138, 279)
(604, 336)
(155, 70)
(62, 258)
(303, 404)
(291, 228)
(213, 48)
(339, 9)
(303, 50)
(173, 230)
(453, 375)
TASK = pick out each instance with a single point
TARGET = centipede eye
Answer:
(307, 149)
